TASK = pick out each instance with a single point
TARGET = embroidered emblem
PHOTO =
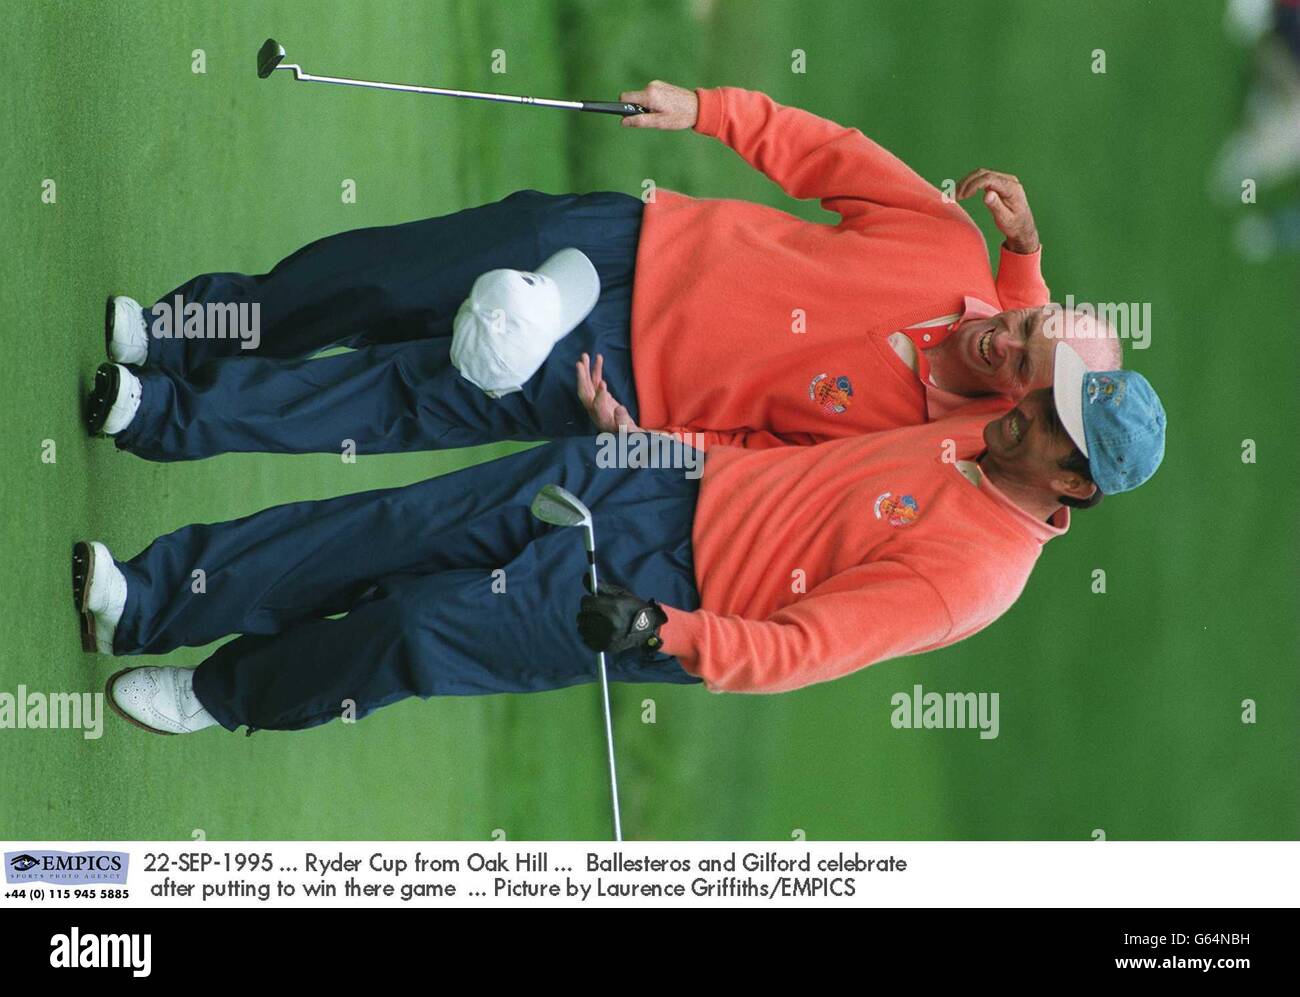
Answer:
(832, 394)
(1105, 389)
(899, 510)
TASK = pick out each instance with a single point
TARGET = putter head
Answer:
(559, 507)
(270, 55)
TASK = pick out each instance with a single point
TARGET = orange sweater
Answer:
(718, 283)
(813, 562)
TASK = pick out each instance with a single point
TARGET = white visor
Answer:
(1067, 392)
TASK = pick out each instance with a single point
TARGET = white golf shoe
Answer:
(159, 700)
(99, 593)
(114, 400)
(125, 336)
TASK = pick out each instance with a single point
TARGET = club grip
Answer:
(614, 107)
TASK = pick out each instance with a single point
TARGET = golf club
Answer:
(558, 507)
(270, 57)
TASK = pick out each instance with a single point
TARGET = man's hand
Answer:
(615, 620)
(1006, 201)
(604, 408)
(671, 108)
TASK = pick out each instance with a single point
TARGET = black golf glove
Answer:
(615, 620)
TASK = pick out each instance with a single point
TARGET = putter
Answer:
(558, 507)
(270, 57)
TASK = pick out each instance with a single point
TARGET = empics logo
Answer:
(66, 868)
(77, 951)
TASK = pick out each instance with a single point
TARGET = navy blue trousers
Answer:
(448, 587)
(390, 294)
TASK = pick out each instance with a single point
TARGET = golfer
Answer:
(724, 318)
(777, 569)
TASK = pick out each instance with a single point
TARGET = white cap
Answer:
(1067, 392)
(512, 319)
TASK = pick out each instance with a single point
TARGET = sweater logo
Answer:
(832, 394)
(899, 510)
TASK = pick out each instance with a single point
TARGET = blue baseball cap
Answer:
(1114, 417)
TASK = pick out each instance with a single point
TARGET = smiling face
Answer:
(1028, 445)
(1011, 353)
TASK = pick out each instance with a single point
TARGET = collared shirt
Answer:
(814, 562)
(760, 329)
(911, 343)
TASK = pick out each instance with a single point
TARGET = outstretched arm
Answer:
(808, 156)
(866, 614)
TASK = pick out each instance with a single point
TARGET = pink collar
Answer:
(940, 403)
(1040, 530)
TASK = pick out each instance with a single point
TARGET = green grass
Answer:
(1119, 711)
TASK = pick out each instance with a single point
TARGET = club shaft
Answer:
(604, 693)
(502, 98)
